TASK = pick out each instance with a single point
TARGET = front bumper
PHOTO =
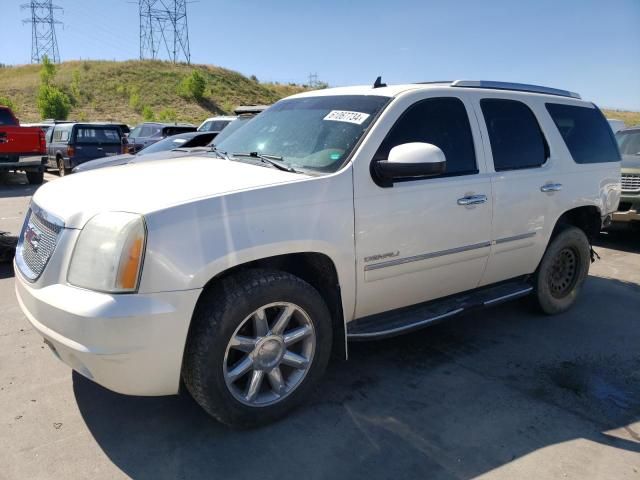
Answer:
(128, 343)
(629, 210)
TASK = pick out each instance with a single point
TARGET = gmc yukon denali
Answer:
(21, 148)
(344, 214)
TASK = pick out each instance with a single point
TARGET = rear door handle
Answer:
(551, 187)
(472, 200)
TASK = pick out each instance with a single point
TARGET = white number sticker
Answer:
(345, 116)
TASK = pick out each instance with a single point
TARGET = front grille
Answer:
(37, 242)
(630, 182)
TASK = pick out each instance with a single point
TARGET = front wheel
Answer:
(562, 271)
(258, 344)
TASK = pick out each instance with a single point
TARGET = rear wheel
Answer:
(562, 271)
(61, 170)
(35, 178)
(259, 343)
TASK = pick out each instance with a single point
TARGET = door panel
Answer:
(522, 211)
(414, 241)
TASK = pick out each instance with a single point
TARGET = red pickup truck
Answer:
(21, 148)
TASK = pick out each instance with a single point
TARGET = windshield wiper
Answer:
(219, 153)
(273, 160)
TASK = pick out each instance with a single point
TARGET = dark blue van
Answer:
(70, 144)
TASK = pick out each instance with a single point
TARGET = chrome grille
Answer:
(630, 182)
(37, 242)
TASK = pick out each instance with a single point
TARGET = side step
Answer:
(407, 319)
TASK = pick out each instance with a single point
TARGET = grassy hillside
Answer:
(104, 90)
(629, 118)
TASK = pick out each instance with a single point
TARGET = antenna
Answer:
(378, 83)
(164, 27)
(43, 30)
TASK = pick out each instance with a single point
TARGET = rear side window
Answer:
(442, 122)
(586, 133)
(514, 133)
(6, 118)
(97, 135)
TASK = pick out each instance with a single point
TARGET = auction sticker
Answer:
(346, 116)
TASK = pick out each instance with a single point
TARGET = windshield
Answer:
(231, 128)
(168, 143)
(629, 143)
(316, 133)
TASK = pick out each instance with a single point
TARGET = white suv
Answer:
(348, 213)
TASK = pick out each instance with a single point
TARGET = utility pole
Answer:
(43, 30)
(163, 23)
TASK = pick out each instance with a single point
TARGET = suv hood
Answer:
(150, 186)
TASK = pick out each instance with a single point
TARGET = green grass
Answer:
(103, 90)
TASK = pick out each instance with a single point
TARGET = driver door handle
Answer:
(472, 200)
(551, 187)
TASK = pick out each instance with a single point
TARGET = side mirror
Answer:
(411, 160)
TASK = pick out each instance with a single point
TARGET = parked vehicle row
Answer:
(342, 214)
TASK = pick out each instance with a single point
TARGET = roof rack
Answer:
(520, 87)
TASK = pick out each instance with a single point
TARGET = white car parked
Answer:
(215, 124)
(349, 213)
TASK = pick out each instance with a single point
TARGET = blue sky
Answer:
(590, 46)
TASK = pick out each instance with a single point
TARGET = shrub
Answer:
(168, 115)
(134, 101)
(193, 86)
(75, 84)
(6, 101)
(53, 102)
(147, 114)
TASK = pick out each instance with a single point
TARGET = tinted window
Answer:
(97, 135)
(6, 118)
(585, 132)
(442, 122)
(629, 142)
(514, 133)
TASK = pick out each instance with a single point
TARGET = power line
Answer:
(43, 30)
(164, 27)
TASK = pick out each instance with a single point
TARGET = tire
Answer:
(61, 170)
(562, 271)
(35, 178)
(229, 311)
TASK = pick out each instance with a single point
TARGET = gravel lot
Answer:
(504, 393)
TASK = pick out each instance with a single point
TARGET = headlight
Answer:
(108, 253)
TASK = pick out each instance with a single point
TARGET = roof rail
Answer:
(520, 87)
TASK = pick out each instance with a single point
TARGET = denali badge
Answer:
(32, 235)
(382, 256)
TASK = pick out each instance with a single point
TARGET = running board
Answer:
(407, 319)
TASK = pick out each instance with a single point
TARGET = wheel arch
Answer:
(317, 269)
(588, 218)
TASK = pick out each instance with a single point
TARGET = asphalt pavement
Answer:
(502, 393)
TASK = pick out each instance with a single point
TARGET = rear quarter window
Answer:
(585, 132)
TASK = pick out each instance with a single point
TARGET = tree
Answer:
(53, 102)
(47, 72)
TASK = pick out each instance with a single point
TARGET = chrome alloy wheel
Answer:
(269, 354)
